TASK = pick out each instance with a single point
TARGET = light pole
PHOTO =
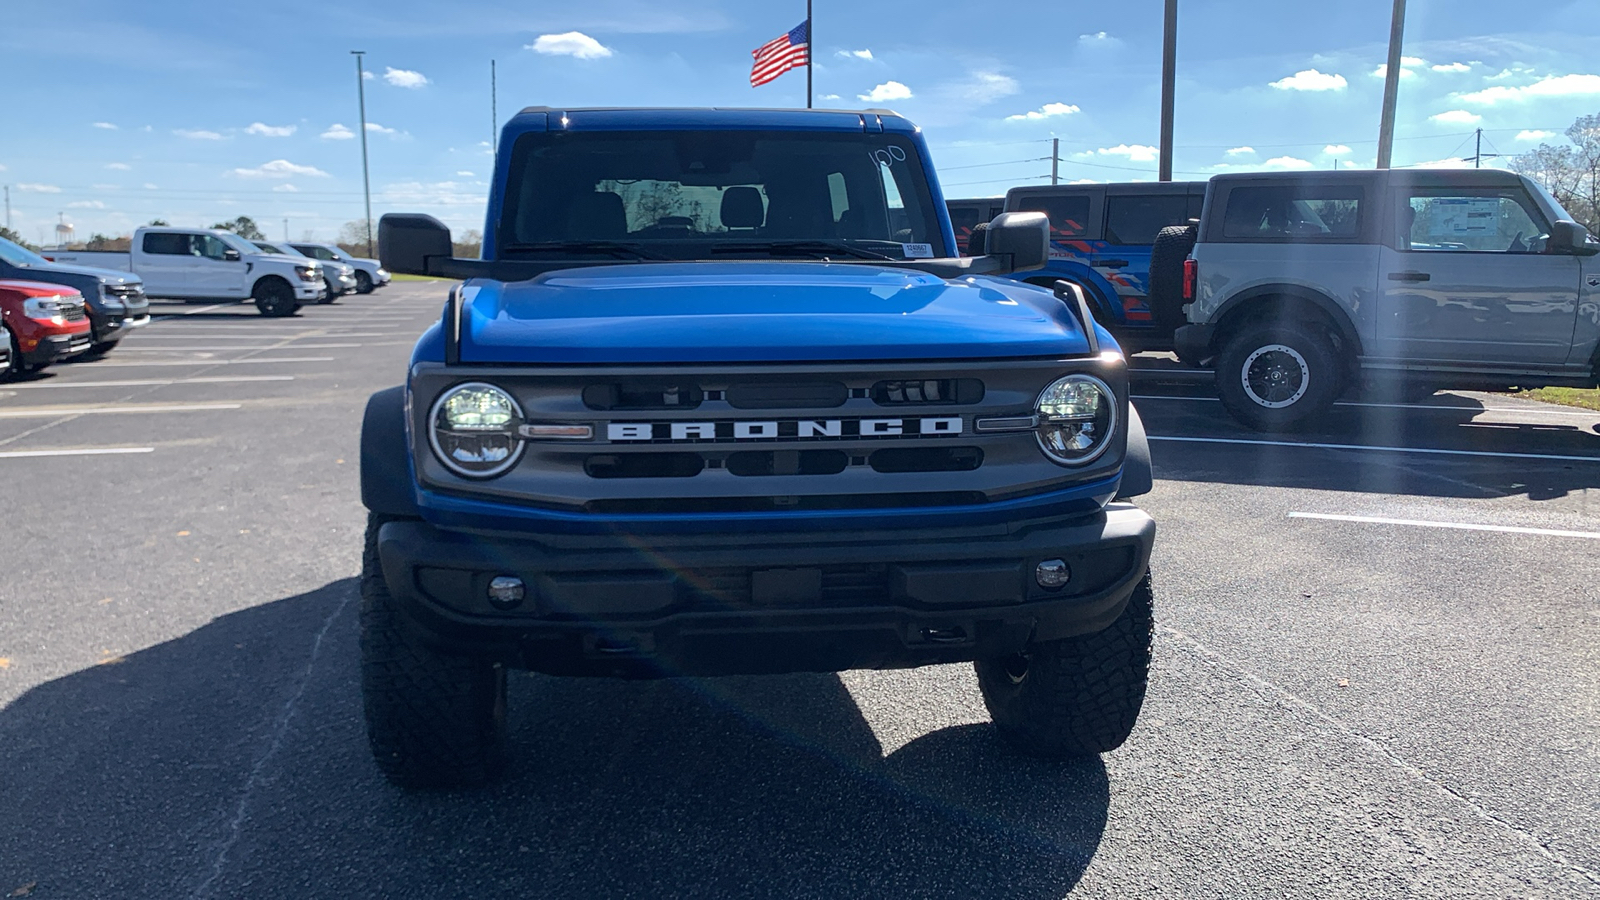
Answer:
(1391, 85)
(1169, 77)
(366, 181)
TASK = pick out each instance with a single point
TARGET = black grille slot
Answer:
(788, 395)
(644, 465)
(928, 391)
(768, 504)
(788, 462)
(75, 313)
(842, 585)
(643, 395)
(926, 459)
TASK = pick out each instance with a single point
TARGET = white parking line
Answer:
(1429, 407)
(151, 381)
(1372, 449)
(48, 413)
(253, 347)
(1463, 526)
(101, 451)
(216, 362)
(314, 335)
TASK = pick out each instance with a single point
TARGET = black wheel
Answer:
(433, 720)
(329, 294)
(1172, 246)
(363, 282)
(1078, 696)
(978, 240)
(12, 364)
(1274, 377)
(274, 298)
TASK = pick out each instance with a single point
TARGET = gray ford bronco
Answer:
(1303, 285)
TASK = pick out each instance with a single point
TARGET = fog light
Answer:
(1052, 573)
(506, 592)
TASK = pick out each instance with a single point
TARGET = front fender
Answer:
(1138, 477)
(387, 485)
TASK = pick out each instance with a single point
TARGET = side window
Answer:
(1470, 222)
(209, 246)
(963, 218)
(1293, 213)
(166, 244)
(1135, 219)
(1069, 216)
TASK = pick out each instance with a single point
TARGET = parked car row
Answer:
(1296, 287)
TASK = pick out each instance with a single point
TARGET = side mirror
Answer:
(406, 241)
(1571, 238)
(1024, 237)
(231, 255)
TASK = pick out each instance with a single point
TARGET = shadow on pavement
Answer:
(231, 762)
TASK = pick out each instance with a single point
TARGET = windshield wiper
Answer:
(813, 247)
(615, 249)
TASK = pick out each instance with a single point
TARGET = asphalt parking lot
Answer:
(1377, 671)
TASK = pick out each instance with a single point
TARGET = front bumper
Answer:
(310, 291)
(382, 277)
(114, 326)
(721, 604)
(1194, 341)
(56, 347)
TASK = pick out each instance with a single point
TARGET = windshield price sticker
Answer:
(917, 251)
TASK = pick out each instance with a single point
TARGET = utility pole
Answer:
(494, 113)
(1391, 85)
(1055, 160)
(366, 180)
(1169, 85)
(8, 207)
(286, 229)
(1478, 156)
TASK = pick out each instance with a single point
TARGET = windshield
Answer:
(18, 255)
(693, 194)
(342, 256)
(1553, 205)
(238, 243)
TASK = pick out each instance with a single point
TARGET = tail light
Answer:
(1191, 276)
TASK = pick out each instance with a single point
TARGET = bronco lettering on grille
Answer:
(784, 429)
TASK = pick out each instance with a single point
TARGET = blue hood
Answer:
(760, 312)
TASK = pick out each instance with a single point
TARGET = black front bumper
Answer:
(730, 604)
(56, 347)
(110, 327)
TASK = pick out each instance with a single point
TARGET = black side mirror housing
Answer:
(231, 255)
(1023, 238)
(1569, 237)
(407, 241)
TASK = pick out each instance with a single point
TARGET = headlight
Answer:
(108, 299)
(473, 430)
(51, 309)
(1077, 417)
(307, 273)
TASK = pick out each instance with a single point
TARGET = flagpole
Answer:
(811, 51)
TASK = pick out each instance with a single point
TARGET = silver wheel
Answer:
(1275, 376)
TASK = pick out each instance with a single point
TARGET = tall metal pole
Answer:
(1477, 153)
(366, 180)
(8, 207)
(494, 113)
(811, 51)
(1055, 160)
(1169, 79)
(1391, 85)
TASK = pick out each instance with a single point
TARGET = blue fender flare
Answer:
(386, 482)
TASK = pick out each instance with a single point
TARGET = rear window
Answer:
(1294, 213)
(1135, 219)
(1069, 216)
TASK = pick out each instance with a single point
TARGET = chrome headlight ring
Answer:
(1077, 416)
(472, 428)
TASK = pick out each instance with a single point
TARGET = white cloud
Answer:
(1382, 71)
(270, 130)
(1311, 80)
(86, 204)
(375, 128)
(1133, 152)
(1456, 117)
(1287, 163)
(285, 188)
(1454, 162)
(1549, 86)
(855, 54)
(987, 87)
(106, 125)
(2, 168)
(1095, 38)
(38, 189)
(889, 90)
(147, 129)
(150, 187)
(279, 168)
(441, 193)
(367, 76)
(1083, 181)
(1044, 112)
(1534, 135)
(571, 43)
(829, 97)
(404, 78)
(120, 167)
(1407, 62)
(1453, 67)
(1336, 150)
(465, 175)
(1241, 151)
(337, 132)
(197, 135)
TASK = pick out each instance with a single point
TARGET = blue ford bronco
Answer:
(721, 397)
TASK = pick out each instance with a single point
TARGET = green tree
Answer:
(15, 238)
(1571, 173)
(469, 245)
(353, 237)
(244, 227)
(158, 223)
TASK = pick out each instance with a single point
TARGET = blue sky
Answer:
(117, 112)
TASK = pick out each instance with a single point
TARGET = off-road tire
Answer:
(1305, 357)
(978, 240)
(1172, 246)
(1077, 696)
(363, 282)
(433, 720)
(13, 366)
(274, 298)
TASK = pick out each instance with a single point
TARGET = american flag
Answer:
(777, 56)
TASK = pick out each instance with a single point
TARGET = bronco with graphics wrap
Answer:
(721, 397)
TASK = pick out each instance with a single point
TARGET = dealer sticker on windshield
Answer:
(917, 251)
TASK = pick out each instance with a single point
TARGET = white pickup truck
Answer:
(206, 264)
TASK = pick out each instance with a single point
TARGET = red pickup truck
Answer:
(40, 324)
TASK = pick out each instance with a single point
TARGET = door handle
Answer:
(1109, 263)
(1409, 276)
